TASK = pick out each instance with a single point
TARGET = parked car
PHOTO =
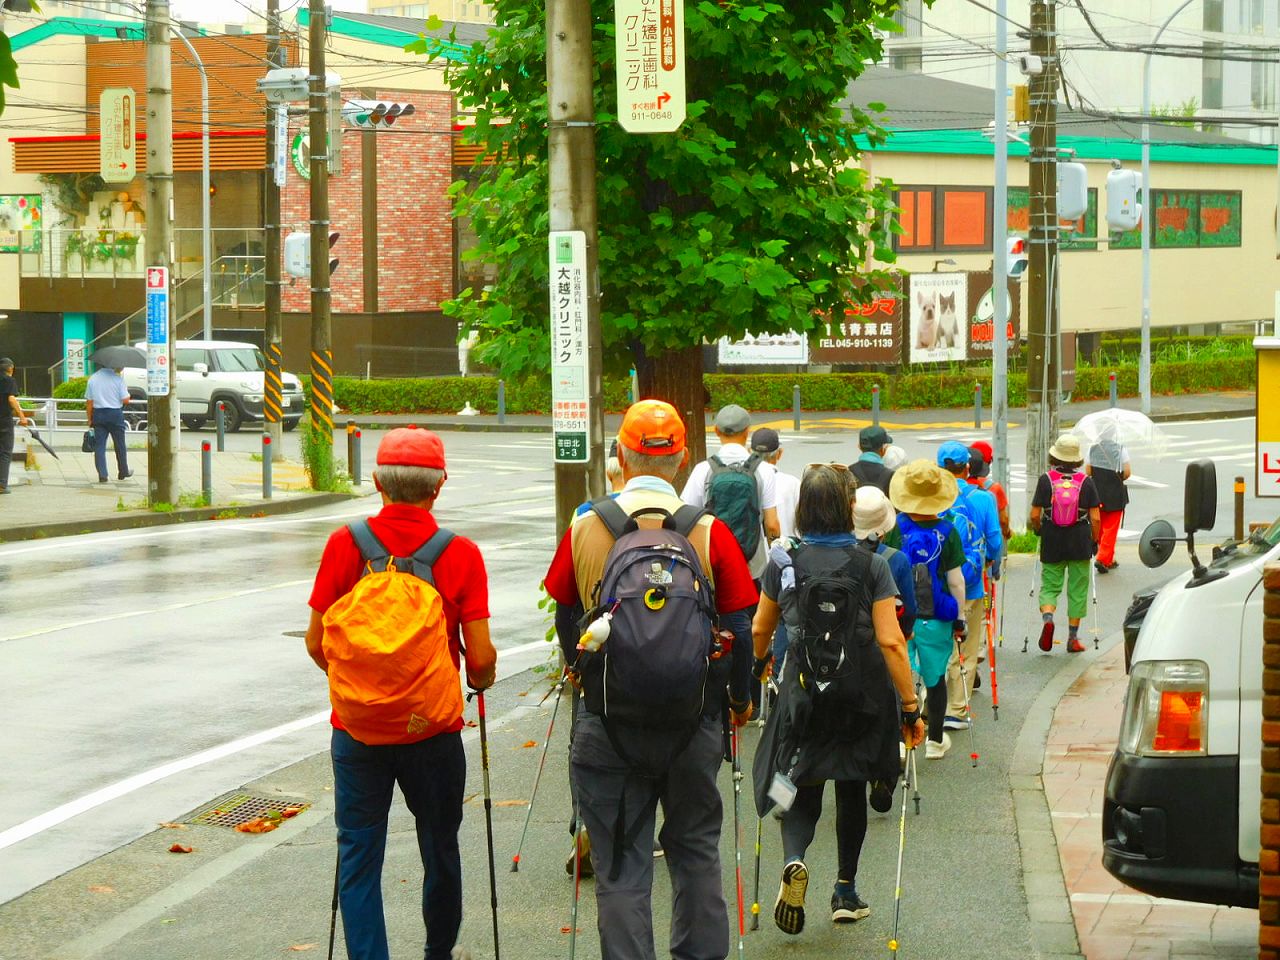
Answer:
(1182, 808)
(208, 371)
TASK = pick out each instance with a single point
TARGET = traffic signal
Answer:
(1016, 256)
(374, 114)
(1124, 211)
(297, 253)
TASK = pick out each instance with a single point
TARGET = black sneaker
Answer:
(848, 907)
(881, 795)
(788, 909)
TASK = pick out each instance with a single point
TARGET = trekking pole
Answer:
(577, 880)
(1093, 584)
(1035, 576)
(755, 893)
(333, 915)
(488, 815)
(537, 778)
(968, 710)
(737, 837)
(902, 844)
(912, 771)
(991, 651)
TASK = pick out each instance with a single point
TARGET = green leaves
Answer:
(751, 217)
(8, 68)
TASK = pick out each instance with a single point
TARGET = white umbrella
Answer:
(1112, 433)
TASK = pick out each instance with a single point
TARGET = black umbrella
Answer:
(117, 356)
(35, 435)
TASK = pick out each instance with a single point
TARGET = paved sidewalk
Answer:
(1205, 406)
(1114, 922)
(57, 496)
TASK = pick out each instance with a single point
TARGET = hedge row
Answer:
(772, 391)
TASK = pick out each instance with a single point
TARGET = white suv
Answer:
(211, 370)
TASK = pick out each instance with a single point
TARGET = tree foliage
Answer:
(750, 218)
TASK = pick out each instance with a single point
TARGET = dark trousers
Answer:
(109, 422)
(690, 836)
(935, 701)
(801, 821)
(6, 449)
(432, 774)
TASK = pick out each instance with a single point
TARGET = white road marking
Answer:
(73, 808)
(1136, 900)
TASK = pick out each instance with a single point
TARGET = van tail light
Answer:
(1166, 709)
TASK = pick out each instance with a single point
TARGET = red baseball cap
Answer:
(411, 447)
(983, 448)
(652, 427)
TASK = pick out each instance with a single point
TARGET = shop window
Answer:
(916, 218)
(944, 219)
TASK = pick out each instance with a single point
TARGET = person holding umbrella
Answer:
(10, 410)
(105, 396)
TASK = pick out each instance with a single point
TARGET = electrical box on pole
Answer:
(1124, 210)
(1073, 191)
(297, 254)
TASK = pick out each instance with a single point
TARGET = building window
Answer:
(1262, 85)
(1211, 77)
(418, 10)
(944, 219)
(1189, 218)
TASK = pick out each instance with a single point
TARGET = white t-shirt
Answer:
(695, 492)
(788, 497)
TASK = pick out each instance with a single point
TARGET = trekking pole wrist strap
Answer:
(739, 706)
(909, 717)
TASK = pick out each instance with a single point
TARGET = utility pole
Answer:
(162, 411)
(273, 399)
(572, 198)
(1043, 352)
(1000, 258)
(321, 348)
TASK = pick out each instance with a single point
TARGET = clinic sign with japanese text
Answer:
(649, 57)
(570, 396)
(157, 331)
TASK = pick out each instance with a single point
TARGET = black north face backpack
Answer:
(653, 669)
(835, 634)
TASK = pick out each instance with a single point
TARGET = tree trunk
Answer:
(676, 377)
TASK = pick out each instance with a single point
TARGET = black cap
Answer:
(978, 466)
(873, 438)
(765, 440)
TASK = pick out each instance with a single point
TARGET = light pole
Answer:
(206, 240)
(999, 259)
(1144, 360)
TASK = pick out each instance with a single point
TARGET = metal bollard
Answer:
(502, 401)
(206, 471)
(1239, 492)
(795, 406)
(635, 386)
(266, 466)
(355, 460)
(220, 419)
(351, 439)
(977, 406)
(875, 405)
(1114, 393)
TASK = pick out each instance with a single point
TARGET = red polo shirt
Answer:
(1002, 498)
(402, 528)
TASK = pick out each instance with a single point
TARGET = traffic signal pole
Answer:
(162, 411)
(273, 397)
(1043, 339)
(321, 343)
(572, 199)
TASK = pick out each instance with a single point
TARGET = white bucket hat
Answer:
(873, 514)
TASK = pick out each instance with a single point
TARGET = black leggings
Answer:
(935, 700)
(800, 822)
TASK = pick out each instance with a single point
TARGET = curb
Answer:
(134, 520)
(456, 426)
(1053, 928)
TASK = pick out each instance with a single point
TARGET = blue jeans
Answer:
(432, 774)
(109, 421)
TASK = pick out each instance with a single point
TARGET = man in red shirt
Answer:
(431, 771)
(651, 447)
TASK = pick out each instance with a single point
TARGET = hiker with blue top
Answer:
(976, 517)
(923, 492)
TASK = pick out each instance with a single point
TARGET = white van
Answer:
(207, 371)
(1182, 812)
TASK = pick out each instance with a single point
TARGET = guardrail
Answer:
(61, 413)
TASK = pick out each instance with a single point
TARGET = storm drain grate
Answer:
(237, 808)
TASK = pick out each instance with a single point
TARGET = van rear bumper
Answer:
(1170, 828)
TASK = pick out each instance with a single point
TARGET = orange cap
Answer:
(652, 427)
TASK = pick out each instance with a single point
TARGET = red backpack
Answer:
(1065, 498)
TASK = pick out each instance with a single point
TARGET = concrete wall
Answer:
(1101, 289)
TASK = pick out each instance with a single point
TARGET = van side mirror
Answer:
(1200, 502)
(200, 368)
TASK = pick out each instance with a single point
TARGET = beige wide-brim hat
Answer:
(922, 487)
(873, 514)
(1066, 449)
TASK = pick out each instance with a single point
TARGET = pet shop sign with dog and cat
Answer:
(936, 332)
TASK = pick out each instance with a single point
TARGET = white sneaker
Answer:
(936, 751)
(460, 953)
